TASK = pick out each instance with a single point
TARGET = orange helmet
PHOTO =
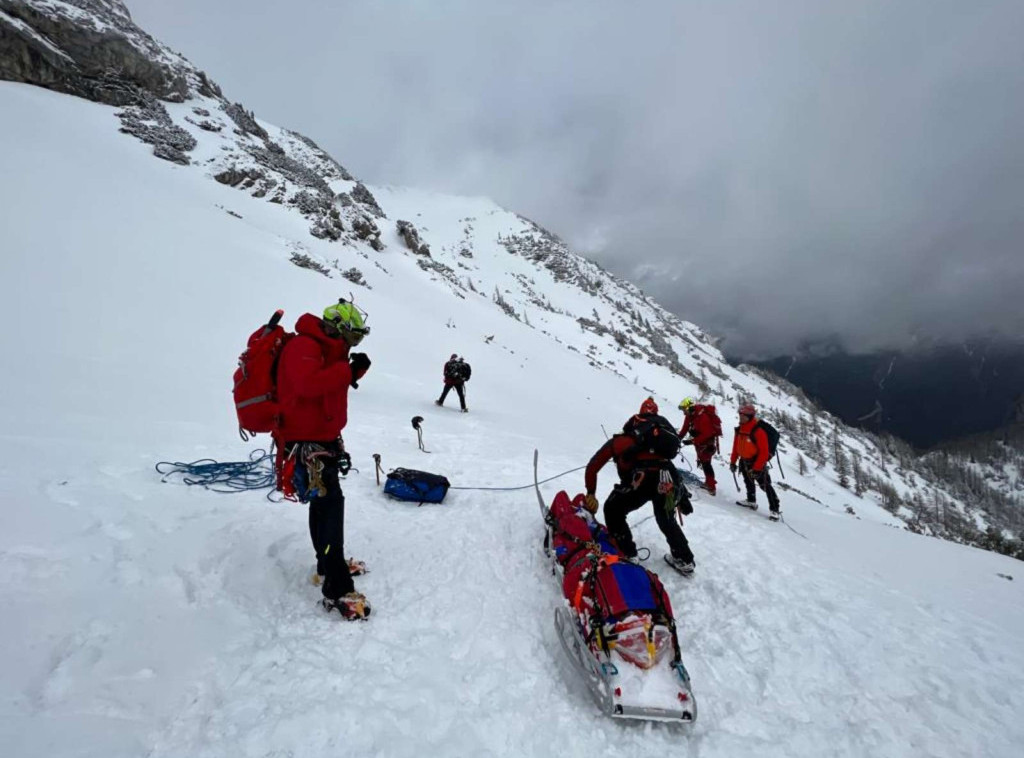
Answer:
(649, 406)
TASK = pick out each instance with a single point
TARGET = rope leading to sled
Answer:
(257, 473)
(525, 486)
(783, 520)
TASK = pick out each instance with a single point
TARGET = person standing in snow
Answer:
(751, 452)
(701, 421)
(314, 373)
(643, 455)
(456, 374)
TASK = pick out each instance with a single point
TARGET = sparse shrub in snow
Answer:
(302, 260)
(355, 276)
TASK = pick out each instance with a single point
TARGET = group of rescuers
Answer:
(315, 370)
(647, 477)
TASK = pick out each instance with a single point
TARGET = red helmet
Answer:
(649, 406)
(747, 410)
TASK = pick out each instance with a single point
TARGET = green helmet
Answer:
(686, 404)
(348, 320)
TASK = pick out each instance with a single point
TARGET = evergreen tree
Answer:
(859, 485)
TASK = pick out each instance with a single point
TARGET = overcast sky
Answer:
(774, 171)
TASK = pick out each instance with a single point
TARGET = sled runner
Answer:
(615, 623)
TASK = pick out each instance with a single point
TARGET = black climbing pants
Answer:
(625, 498)
(327, 530)
(459, 388)
(762, 480)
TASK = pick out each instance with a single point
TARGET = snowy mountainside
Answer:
(148, 618)
(475, 248)
(154, 619)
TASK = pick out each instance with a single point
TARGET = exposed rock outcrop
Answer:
(82, 47)
(411, 237)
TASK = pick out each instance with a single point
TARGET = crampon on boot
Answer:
(355, 568)
(352, 607)
(683, 567)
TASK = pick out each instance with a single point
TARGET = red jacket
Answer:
(313, 377)
(619, 448)
(700, 425)
(752, 448)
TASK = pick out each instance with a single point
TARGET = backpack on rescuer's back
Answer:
(712, 414)
(457, 370)
(770, 432)
(654, 434)
(255, 390)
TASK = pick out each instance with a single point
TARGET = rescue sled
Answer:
(615, 623)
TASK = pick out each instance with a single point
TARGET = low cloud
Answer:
(774, 173)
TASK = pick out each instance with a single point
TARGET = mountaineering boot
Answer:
(437, 402)
(710, 487)
(751, 504)
(775, 515)
(465, 410)
(683, 567)
(352, 607)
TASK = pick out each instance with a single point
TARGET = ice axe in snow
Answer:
(416, 421)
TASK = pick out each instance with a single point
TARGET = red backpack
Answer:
(255, 389)
(712, 414)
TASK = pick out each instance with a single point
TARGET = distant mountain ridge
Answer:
(926, 396)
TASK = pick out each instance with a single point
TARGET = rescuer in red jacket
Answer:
(750, 447)
(701, 421)
(644, 477)
(314, 373)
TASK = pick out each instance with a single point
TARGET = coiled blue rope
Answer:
(257, 473)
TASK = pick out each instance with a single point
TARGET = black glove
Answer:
(360, 364)
(687, 442)
(685, 506)
(732, 467)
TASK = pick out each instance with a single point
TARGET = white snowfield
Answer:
(150, 619)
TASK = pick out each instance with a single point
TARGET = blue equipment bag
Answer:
(416, 486)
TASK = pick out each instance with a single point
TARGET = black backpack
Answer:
(457, 370)
(653, 434)
(770, 432)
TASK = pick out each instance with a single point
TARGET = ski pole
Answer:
(734, 480)
(605, 431)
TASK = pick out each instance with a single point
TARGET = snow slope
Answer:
(144, 618)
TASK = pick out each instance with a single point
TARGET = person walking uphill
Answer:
(704, 426)
(314, 374)
(456, 374)
(753, 450)
(643, 455)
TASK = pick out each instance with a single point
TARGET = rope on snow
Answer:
(257, 473)
(525, 486)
